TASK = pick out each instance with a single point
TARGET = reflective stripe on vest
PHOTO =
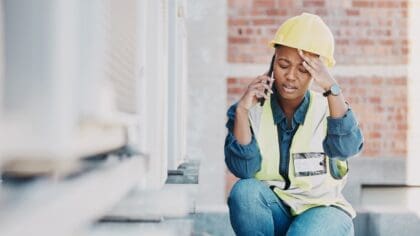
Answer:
(306, 191)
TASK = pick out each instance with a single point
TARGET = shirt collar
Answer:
(300, 113)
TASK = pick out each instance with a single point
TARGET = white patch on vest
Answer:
(308, 164)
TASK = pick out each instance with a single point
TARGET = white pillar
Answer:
(413, 139)
(207, 39)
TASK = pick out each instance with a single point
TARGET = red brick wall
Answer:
(367, 33)
(381, 108)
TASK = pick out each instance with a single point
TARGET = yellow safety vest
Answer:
(307, 189)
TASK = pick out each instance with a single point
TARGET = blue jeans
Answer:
(255, 209)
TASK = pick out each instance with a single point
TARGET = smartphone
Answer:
(269, 74)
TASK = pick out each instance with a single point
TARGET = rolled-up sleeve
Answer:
(344, 137)
(242, 160)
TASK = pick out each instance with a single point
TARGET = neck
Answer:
(289, 106)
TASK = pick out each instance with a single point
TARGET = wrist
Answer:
(329, 82)
(328, 86)
(241, 109)
(334, 90)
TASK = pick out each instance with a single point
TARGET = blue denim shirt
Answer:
(344, 139)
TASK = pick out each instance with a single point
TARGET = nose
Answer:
(291, 74)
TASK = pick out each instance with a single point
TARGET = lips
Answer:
(289, 88)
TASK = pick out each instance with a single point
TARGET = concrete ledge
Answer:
(169, 227)
(386, 223)
(379, 171)
(151, 206)
(388, 210)
(216, 224)
(187, 173)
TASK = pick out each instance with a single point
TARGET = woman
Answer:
(289, 145)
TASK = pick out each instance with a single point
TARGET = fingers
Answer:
(262, 82)
(308, 68)
(262, 87)
(260, 94)
(261, 78)
(312, 62)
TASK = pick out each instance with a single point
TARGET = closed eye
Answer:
(303, 70)
(283, 63)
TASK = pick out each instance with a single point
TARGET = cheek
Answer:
(277, 84)
(304, 77)
(306, 81)
(278, 74)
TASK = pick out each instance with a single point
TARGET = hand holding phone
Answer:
(261, 100)
(258, 90)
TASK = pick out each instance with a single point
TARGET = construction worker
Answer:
(288, 144)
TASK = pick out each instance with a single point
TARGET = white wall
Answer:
(206, 28)
(413, 159)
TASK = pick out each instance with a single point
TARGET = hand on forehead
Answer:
(291, 54)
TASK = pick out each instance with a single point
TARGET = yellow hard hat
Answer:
(309, 33)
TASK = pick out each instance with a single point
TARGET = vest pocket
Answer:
(338, 168)
(309, 169)
(309, 164)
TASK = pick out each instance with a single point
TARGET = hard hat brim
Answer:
(329, 62)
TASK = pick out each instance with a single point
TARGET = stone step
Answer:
(386, 222)
(167, 227)
(152, 206)
(388, 209)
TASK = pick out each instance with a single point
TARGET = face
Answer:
(292, 80)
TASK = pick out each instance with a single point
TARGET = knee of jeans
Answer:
(245, 191)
